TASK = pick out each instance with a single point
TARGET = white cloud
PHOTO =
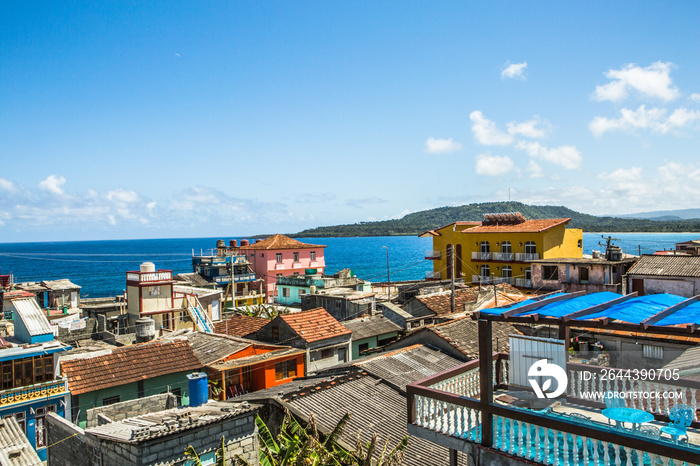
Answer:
(516, 70)
(653, 119)
(493, 165)
(441, 146)
(486, 133)
(652, 81)
(535, 128)
(53, 184)
(565, 156)
(535, 169)
(695, 97)
(122, 196)
(7, 185)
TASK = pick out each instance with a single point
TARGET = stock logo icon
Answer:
(550, 371)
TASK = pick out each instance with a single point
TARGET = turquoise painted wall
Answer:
(129, 391)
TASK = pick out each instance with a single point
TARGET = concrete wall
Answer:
(681, 286)
(69, 337)
(314, 360)
(80, 448)
(127, 392)
(394, 313)
(119, 411)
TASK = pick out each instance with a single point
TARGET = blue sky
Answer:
(179, 119)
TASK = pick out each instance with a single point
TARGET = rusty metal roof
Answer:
(667, 266)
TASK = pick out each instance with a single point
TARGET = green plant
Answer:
(191, 454)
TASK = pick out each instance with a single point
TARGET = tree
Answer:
(298, 445)
(191, 454)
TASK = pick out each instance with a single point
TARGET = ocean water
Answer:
(100, 267)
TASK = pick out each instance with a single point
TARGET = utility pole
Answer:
(388, 277)
(451, 265)
(495, 296)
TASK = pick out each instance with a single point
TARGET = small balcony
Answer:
(523, 283)
(447, 409)
(526, 256)
(508, 280)
(33, 392)
(503, 256)
(432, 255)
(481, 256)
(481, 279)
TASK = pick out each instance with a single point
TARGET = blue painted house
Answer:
(29, 373)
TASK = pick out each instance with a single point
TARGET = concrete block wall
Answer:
(65, 336)
(68, 444)
(131, 408)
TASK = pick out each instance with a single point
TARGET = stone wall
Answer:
(131, 408)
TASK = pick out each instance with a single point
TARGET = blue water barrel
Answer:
(199, 393)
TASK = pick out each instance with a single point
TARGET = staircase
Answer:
(198, 314)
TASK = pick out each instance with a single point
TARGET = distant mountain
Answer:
(418, 222)
(665, 215)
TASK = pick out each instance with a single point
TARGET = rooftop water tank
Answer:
(244, 242)
(220, 243)
(199, 392)
(258, 240)
(233, 244)
(145, 329)
(148, 267)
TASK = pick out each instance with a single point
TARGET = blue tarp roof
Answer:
(687, 315)
(634, 310)
(638, 309)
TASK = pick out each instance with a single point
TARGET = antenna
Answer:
(608, 240)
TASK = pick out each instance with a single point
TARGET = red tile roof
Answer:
(129, 364)
(280, 242)
(315, 324)
(528, 226)
(240, 326)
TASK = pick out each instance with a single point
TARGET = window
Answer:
(363, 347)
(302, 292)
(154, 291)
(285, 292)
(550, 272)
(485, 271)
(327, 353)
(530, 247)
(528, 273)
(342, 356)
(506, 272)
(485, 246)
(653, 352)
(286, 369)
(110, 400)
(296, 256)
(312, 255)
(505, 247)
(279, 257)
(275, 333)
(580, 244)
(583, 274)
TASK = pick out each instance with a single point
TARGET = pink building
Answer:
(281, 255)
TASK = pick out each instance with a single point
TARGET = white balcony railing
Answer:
(527, 256)
(482, 279)
(509, 280)
(432, 275)
(481, 256)
(523, 283)
(432, 254)
(503, 256)
(142, 277)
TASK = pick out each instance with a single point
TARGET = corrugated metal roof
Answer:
(33, 317)
(15, 449)
(366, 327)
(667, 266)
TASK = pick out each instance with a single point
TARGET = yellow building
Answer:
(498, 250)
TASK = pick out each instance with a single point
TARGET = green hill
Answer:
(418, 222)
